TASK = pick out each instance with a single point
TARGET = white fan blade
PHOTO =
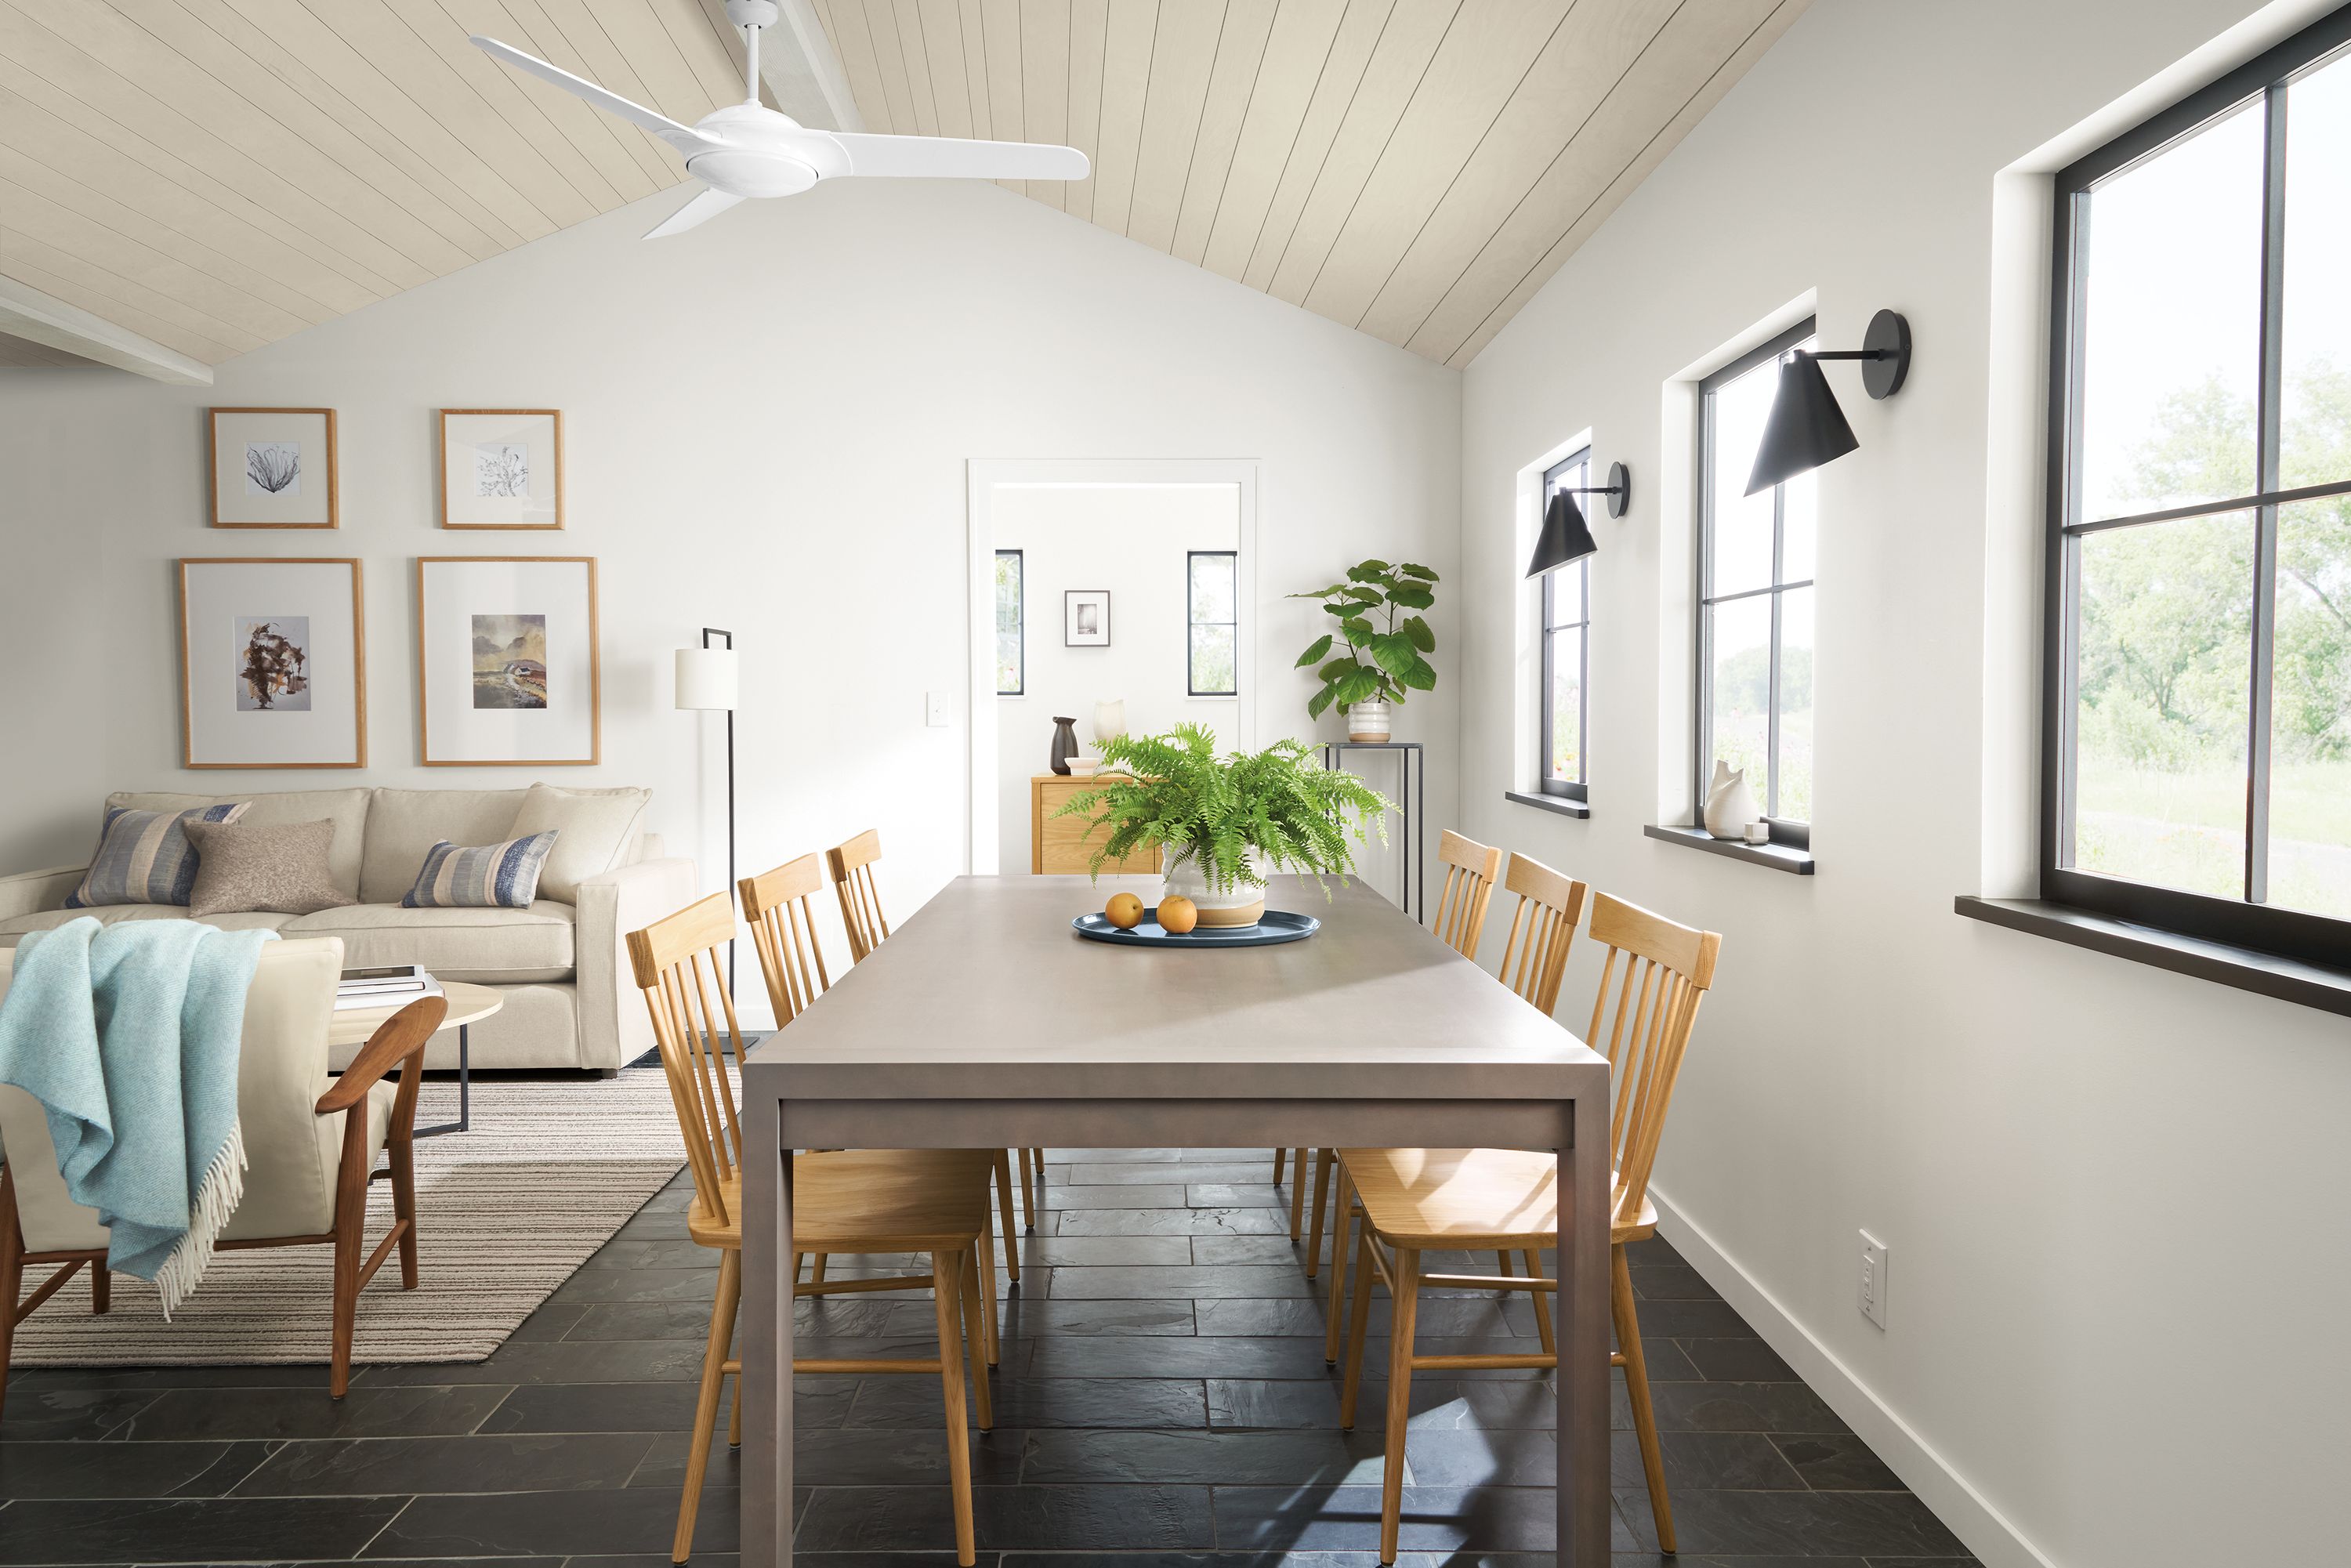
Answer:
(952, 157)
(684, 138)
(706, 206)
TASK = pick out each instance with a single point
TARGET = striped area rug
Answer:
(504, 1213)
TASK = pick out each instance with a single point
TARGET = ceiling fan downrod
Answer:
(751, 15)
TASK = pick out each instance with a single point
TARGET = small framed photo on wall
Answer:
(273, 664)
(273, 468)
(1085, 618)
(501, 468)
(506, 665)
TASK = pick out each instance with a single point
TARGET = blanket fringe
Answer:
(217, 1197)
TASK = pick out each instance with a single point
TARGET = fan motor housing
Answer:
(746, 173)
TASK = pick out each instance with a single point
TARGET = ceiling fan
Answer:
(750, 149)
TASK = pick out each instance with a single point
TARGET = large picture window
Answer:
(1011, 625)
(1566, 649)
(1755, 598)
(1212, 593)
(2197, 721)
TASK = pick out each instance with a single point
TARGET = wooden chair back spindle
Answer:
(1543, 927)
(668, 958)
(1667, 970)
(1470, 869)
(861, 902)
(783, 930)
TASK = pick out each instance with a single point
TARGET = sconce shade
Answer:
(1565, 536)
(706, 679)
(1804, 429)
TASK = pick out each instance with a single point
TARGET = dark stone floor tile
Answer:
(1841, 1462)
(1057, 1159)
(688, 1320)
(124, 1470)
(553, 1322)
(69, 1415)
(1062, 1518)
(1479, 1459)
(1026, 1317)
(1022, 1403)
(1671, 1282)
(1526, 1403)
(1166, 1356)
(1242, 1405)
(490, 1524)
(1796, 1524)
(1185, 1172)
(1456, 1317)
(1734, 1361)
(194, 1415)
(527, 1361)
(1741, 1407)
(191, 1530)
(1670, 1363)
(1062, 1196)
(817, 1402)
(1088, 1252)
(1173, 1221)
(1435, 1519)
(1919, 1562)
(1691, 1319)
(1193, 1283)
(1229, 1458)
(383, 1467)
(1274, 1248)
(1237, 1195)
(638, 1285)
(882, 1456)
(1241, 1560)
(312, 1375)
(1744, 1462)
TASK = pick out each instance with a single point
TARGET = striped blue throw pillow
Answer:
(503, 876)
(144, 857)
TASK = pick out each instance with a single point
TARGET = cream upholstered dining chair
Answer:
(1415, 1201)
(310, 1146)
(860, 1201)
(1469, 871)
(851, 865)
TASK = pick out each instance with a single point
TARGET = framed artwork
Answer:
(274, 469)
(506, 667)
(1085, 618)
(273, 664)
(501, 468)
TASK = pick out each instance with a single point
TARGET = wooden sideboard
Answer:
(1065, 845)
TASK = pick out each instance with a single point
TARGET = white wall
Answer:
(1131, 539)
(767, 428)
(2114, 1195)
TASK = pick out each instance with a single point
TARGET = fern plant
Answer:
(1184, 797)
(1383, 656)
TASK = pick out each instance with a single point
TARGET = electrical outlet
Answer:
(935, 709)
(1872, 1279)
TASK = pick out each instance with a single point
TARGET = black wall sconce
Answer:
(1805, 428)
(1565, 536)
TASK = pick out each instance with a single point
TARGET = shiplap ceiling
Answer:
(215, 174)
(1414, 169)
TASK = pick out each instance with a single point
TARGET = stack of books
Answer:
(389, 986)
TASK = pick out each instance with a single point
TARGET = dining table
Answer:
(985, 1021)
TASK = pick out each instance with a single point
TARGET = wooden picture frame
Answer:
(267, 496)
(491, 590)
(507, 494)
(224, 726)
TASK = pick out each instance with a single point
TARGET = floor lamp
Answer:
(708, 680)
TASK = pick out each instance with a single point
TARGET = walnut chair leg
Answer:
(1407, 1296)
(946, 1267)
(101, 1289)
(1039, 1156)
(1298, 1195)
(1004, 1203)
(12, 1275)
(401, 1154)
(1028, 1191)
(1636, 1384)
(1323, 1159)
(705, 1404)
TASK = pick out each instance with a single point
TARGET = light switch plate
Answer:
(1872, 1279)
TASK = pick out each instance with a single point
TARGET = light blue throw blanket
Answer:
(128, 1035)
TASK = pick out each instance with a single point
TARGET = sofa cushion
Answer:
(145, 856)
(490, 947)
(403, 826)
(493, 876)
(347, 809)
(49, 919)
(242, 870)
(595, 830)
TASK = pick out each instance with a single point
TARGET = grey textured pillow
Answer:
(282, 868)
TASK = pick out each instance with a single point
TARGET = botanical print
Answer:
(1088, 618)
(273, 468)
(509, 661)
(273, 664)
(502, 468)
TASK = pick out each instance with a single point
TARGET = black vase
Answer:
(1065, 743)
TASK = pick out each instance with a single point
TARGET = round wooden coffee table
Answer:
(468, 1005)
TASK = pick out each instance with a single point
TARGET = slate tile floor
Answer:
(1161, 1402)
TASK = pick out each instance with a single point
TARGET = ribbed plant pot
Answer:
(1368, 720)
(1239, 905)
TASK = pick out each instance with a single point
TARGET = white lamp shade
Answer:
(707, 678)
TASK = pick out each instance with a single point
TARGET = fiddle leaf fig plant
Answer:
(1386, 646)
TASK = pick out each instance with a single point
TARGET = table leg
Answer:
(1582, 1304)
(465, 1122)
(766, 1342)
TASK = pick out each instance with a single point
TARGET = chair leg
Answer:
(1358, 1322)
(1636, 1384)
(983, 1261)
(1342, 1202)
(11, 1274)
(1280, 1157)
(346, 1304)
(706, 1404)
(735, 1416)
(1028, 1192)
(1322, 1161)
(101, 1289)
(1406, 1264)
(1296, 1195)
(1039, 1156)
(816, 1270)
(1004, 1201)
(1543, 1306)
(944, 1269)
(402, 1156)
(975, 1346)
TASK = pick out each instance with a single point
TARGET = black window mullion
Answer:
(1771, 675)
(2270, 418)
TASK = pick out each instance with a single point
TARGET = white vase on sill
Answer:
(1729, 804)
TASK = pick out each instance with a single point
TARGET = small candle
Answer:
(1758, 832)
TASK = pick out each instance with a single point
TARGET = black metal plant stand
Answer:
(1415, 834)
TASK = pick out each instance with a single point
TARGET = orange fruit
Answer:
(1124, 911)
(1178, 915)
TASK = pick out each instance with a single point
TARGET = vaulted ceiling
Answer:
(210, 175)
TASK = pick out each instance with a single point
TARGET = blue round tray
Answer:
(1275, 925)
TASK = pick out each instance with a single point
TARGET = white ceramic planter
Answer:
(1369, 720)
(1239, 905)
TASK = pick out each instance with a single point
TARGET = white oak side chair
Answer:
(1415, 1201)
(1470, 868)
(862, 1201)
(851, 865)
(311, 1146)
(1534, 961)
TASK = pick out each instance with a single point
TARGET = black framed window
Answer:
(1212, 593)
(1012, 625)
(2197, 709)
(1755, 557)
(1566, 651)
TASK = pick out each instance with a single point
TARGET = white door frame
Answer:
(982, 852)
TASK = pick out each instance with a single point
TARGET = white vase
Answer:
(1368, 720)
(1110, 720)
(1729, 804)
(1239, 904)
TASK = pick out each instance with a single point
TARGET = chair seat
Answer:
(868, 1200)
(1472, 1199)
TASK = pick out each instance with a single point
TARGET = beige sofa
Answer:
(562, 964)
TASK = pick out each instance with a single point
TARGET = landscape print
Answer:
(509, 661)
(273, 664)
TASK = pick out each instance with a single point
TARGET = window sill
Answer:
(1779, 857)
(2329, 990)
(1559, 803)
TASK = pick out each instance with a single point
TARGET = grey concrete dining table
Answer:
(985, 1021)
